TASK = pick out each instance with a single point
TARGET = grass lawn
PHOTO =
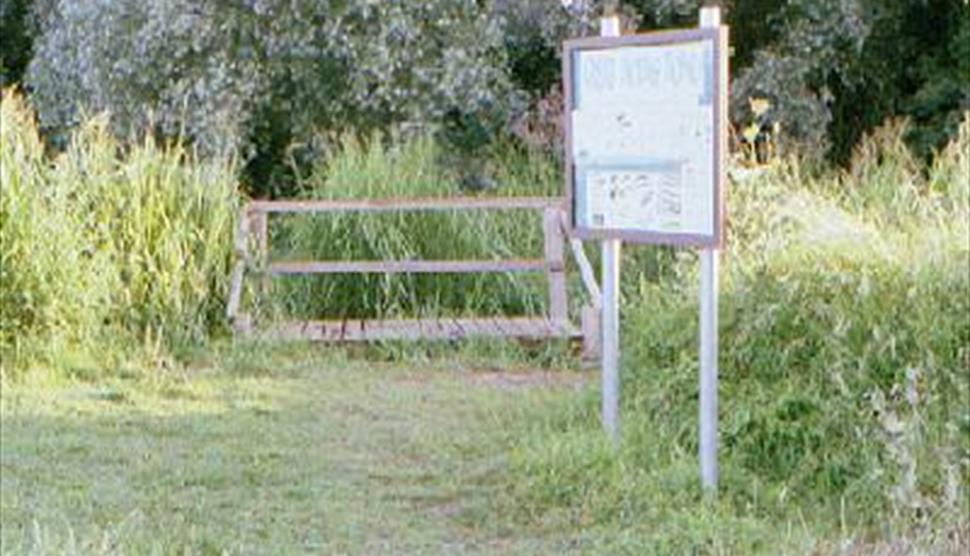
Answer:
(259, 449)
(299, 451)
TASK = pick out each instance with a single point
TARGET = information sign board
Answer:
(645, 135)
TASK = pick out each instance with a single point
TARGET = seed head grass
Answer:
(844, 385)
(107, 248)
(844, 356)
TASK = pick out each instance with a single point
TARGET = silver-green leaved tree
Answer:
(213, 72)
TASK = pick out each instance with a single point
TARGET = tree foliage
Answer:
(271, 79)
(837, 68)
(15, 40)
(256, 75)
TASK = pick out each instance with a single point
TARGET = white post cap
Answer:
(610, 26)
(710, 16)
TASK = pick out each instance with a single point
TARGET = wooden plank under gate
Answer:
(353, 330)
(253, 235)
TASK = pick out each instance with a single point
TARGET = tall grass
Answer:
(376, 169)
(845, 350)
(107, 248)
(844, 323)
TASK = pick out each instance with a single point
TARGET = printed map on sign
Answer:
(643, 138)
(624, 198)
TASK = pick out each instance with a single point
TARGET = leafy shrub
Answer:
(15, 41)
(836, 69)
(106, 246)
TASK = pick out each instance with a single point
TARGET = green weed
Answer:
(845, 344)
(107, 249)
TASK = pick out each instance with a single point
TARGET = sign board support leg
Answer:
(610, 27)
(708, 370)
(611, 338)
(709, 17)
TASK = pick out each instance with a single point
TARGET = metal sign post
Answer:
(709, 18)
(646, 137)
(610, 27)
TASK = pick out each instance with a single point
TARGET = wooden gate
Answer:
(254, 231)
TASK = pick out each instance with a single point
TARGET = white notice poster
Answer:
(643, 138)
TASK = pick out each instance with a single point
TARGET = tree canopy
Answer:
(270, 80)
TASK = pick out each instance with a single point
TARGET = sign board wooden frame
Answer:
(717, 38)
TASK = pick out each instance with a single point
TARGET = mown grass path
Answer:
(289, 457)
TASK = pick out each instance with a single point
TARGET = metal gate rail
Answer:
(253, 230)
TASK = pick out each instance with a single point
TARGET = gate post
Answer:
(260, 232)
(555, 265)
(592, 333)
